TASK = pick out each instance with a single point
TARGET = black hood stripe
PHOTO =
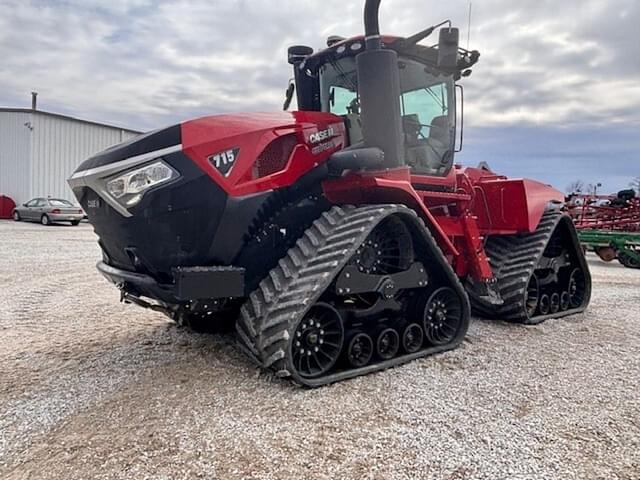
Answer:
(139, 145)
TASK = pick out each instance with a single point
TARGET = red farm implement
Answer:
(609, 225)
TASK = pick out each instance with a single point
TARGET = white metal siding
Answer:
(59, 145)
(15, 141)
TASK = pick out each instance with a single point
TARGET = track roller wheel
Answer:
(544, 305)
(565, 301)
(554, 305)
(317, 341)
(442, 316)
(359, 350)
(412, 338)
(577, 288)
(387, 344)
(532, 296)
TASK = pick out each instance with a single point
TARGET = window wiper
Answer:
(336, 65)
(435, 97)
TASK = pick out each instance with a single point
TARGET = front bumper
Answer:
(190, 283)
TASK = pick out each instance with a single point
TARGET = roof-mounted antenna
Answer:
(469, 26)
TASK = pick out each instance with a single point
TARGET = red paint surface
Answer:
(460, 209)
(252, 133)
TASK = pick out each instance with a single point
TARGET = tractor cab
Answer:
(328, 81)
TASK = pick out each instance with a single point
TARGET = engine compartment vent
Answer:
(275, 156)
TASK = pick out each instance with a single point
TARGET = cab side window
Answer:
(342, 100)
(428, 127)
(428, 104)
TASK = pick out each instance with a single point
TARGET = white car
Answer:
(48, 211)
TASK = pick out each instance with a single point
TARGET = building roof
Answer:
(65, 117)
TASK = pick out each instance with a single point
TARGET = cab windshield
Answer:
(427, 103)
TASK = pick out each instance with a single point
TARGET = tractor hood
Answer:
(242, 153)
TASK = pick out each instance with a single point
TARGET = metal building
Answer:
(39, 151)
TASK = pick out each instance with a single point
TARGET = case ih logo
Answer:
(321, 135)
(223, 161)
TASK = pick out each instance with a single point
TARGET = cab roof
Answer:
(350, 47)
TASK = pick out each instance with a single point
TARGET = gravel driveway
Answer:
(91, 388)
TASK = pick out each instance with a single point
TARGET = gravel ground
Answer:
(91, 388)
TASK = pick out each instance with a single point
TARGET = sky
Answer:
(555, 96)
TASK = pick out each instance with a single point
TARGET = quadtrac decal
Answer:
(225, 160)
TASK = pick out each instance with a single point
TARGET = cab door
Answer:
(427, 105)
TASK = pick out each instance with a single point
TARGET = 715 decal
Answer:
(224, 161)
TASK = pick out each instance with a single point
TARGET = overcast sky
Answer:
(556, 95)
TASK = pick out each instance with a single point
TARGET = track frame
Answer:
(309, 269)
(514, 259)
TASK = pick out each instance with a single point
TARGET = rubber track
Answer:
(513, 259)
(301, 277)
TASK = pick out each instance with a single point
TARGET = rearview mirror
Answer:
(448, 47)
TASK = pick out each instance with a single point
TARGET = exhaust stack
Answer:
(379, 91)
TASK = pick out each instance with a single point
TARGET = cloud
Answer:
(546, 66)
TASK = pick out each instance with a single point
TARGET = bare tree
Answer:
(592, 188)
(576, 186)
(635, 184)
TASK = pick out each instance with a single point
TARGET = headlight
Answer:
(129, 187)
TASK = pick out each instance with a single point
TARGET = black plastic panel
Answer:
(209, 282)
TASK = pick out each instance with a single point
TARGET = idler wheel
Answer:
(442, 316)
(359, 350)
(412, 338)
(387, 344)
(544, 305)
(388, 249)
(554, 306)
(317, 341)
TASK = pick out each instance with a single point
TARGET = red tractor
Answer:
(340, 239)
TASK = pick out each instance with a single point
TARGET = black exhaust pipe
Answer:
(372, 24)
(379, 91)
